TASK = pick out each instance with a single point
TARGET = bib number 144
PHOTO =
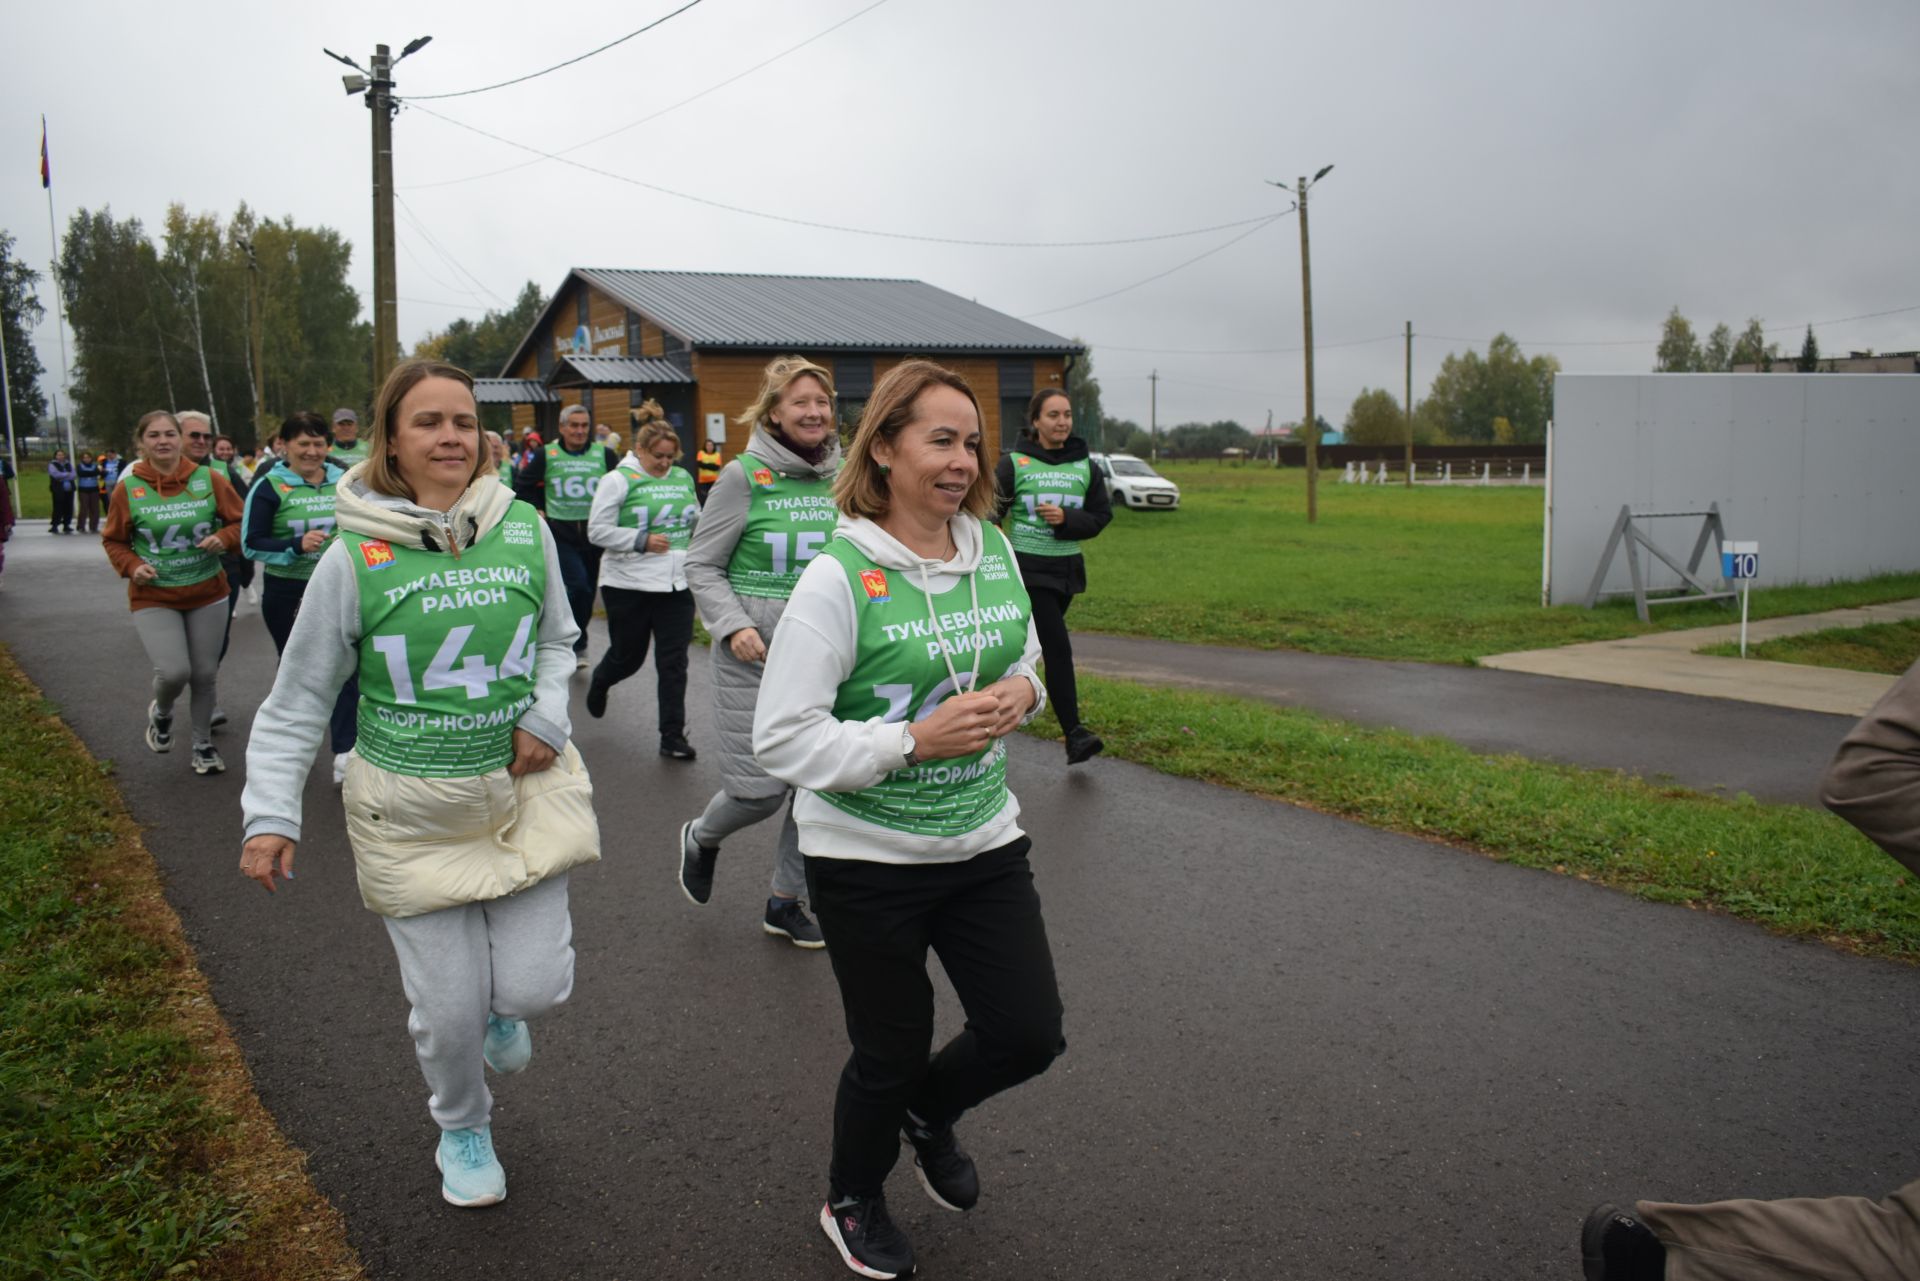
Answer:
(449, 669)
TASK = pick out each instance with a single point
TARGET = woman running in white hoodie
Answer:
(905, 656)
(466, 805)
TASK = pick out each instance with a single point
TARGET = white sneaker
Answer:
(340, 760)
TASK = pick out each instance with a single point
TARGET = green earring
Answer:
(884, 469)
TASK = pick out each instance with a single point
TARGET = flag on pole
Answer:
(46, 169)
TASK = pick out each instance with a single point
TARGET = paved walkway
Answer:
(1299, 1047)
(1711, 744)
(1668, 661)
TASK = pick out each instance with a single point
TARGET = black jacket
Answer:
(1058, 573)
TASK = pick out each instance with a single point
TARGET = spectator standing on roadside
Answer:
(1874, 784)
(60, 480)
(86, 479)
(707, 461)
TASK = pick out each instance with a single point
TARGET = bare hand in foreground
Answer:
(1014, 698)
(265, 855)
(530, 754)
(144, 573)
(313, 540)
(747, 645)
(960, 726)
(658, 544)
(1050, 512)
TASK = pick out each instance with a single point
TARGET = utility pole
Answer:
(1311, 426)
(1153, 414)
(1409, 404)
(386, 305)
(377, 84)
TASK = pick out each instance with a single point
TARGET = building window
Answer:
(633, 339)
(543, 356)
(853, 377)
(1016, 380)
(586, 400)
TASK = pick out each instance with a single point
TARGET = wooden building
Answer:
(697, 343)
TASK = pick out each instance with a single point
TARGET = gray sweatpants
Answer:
(509, 956)
(726, 815)
(184, 647)
(1803, 1239)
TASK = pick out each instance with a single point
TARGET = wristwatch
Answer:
(907, 746)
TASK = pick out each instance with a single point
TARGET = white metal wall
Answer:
(1822, 469)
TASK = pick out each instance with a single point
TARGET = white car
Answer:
(1134, 484)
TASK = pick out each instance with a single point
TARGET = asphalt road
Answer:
(1710, 744)
(1298, 1047)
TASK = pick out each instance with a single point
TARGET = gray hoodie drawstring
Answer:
(946, 650)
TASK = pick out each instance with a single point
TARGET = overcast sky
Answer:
(1565, 173)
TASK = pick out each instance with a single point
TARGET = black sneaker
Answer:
(788, 920)
(206, 760)
(159, 729)
(866, 1237)
(1615, 1246)
(945, 1171)
(677, 747)
(1082, 745)
(696, 867)
(596, 700)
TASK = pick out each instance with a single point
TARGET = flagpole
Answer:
(6, 400)
(59, 313)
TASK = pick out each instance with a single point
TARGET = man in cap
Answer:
(348, 448)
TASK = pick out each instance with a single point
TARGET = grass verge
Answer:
(1436, 573)
(1888, 648)
(1797, 871)
(131, 1142)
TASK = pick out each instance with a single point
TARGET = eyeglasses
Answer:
(199, 435)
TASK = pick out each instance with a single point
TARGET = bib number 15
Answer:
(793, 552)
(449, 669)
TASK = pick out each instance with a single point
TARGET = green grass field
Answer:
(1441, 574)
(1886, 648)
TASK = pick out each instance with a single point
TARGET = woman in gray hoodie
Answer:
(767, 516)
(465, 803)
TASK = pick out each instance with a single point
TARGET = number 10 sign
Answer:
(1740, 562)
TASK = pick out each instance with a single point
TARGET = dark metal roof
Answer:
(615, 371)
(512, 391)
(712, 309)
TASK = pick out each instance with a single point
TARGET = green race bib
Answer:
(788, 521)
(571, 480)
(661, 505)
(447, 648)
(1037, 481)
(167, 531)
(303, 508)
(899, 674)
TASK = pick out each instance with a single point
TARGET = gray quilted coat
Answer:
(736, 685)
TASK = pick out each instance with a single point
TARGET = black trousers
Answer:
(982, 918)
(634, 619)
(279, 607)
(62, 511)
(580, 572)
(1056, 651)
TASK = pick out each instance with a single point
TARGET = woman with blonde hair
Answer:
(466, 805)
(643, 517)
(168, 524)
(768, 515)
(905, 658)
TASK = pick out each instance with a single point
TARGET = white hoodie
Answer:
(323, 651)
(627, 563)
(796, 738)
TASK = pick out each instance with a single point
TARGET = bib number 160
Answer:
(449, 670)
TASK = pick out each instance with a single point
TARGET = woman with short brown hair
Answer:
(905, 658)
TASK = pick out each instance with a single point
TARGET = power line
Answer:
(1241, 351)
(535, 75)
(444, 252)
(1114, 293)
(713, 88)
(856, 231)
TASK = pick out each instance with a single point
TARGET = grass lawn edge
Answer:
(1797, 871)
(282, 1227)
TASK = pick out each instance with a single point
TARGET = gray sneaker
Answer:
(788, 920)
(159, 729)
